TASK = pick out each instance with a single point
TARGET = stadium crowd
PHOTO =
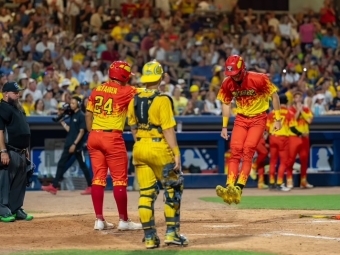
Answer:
(55, 51)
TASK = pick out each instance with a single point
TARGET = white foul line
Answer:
(221, 226)
(309, 236)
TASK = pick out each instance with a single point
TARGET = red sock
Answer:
(98, 200)
(120, 195)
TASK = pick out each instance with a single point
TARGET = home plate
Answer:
(222, 226)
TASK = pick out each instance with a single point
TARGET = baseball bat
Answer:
(333, 217)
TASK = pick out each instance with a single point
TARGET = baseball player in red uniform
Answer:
(252, 92)
(105, 120)
(299, 144)
(279, 144)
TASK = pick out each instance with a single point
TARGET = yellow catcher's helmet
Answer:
(152, 72)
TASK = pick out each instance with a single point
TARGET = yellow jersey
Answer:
(28, 108)
(287, 122)
(179, 105)
(160, 114)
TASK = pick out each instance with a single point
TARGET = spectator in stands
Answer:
(179, 101)
(327, 14)
(39, 108)
(28, 104)
(329, 41)
(32, 89)
(336, 101)
(319, 105)
(77, 41)
(212, 106)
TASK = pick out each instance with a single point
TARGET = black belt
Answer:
(107, 130)
(156, 140)
(17, 150)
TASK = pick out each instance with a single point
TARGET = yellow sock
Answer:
(231, 178)
(261, 179)
(242, 179)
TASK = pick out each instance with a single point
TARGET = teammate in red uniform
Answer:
(279, 144)
(105, 120)
(252, 92)
(299, 144)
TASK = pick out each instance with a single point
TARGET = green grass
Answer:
(161, 252)
(312, 202)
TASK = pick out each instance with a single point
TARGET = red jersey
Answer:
(251, 96)
(130, 9)
(303, 120)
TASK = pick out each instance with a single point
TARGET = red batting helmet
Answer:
(234, 65)
(120, 71)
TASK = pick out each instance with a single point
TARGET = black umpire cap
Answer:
(11, 86)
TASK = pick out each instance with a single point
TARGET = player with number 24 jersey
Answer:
(105, 120)
(109, 103)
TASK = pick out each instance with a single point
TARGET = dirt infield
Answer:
(66, 221)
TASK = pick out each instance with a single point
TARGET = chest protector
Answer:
(142, 106)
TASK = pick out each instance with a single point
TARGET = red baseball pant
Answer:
(279, 146)
(298, 146)
(245, 137)
(262, 154)
(107, 151)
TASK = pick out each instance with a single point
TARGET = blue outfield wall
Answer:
(201, 145)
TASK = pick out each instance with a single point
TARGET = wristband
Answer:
(225, 122)
(277, 114)
(176, 151)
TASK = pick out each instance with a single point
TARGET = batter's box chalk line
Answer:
(222, 226)
(279, 233)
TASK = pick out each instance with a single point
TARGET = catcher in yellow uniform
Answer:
(156, 157)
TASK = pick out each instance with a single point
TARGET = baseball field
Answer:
(265, 223)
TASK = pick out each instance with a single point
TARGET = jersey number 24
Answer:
(103, 106)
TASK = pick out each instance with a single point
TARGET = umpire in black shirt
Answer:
(73, 146)
(15, 138)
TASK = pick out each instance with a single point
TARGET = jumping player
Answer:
(300, 144)
(105, 120)
(156, 157)
(279, 144)
(251, 92)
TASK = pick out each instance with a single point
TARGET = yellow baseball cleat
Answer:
(234, 194)
(222, 193)
(151, 241)
(262, 186)
(237, 194)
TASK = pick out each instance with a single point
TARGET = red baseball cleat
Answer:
(87, 191)
(50, 189)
